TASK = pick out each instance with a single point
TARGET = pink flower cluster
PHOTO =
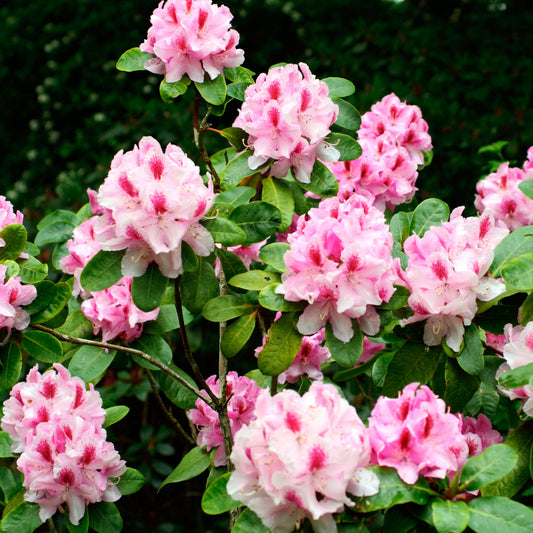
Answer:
(340, 262)
(242, 393)
(479, 434)
(191, 37)
(394, 137)
(300, 457)
(517, 352)
(151, 202)
(446, 274)
(8, 216)
(415, 434)
(111, 311)
(13, 295)
(310, 357)
(499, 193)
(287, 114)
(57, 425)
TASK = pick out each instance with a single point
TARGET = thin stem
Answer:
(167, 412)
(273, 385)
(131, 351)
(51, 525)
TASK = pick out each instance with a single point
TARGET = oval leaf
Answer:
(348, 118)
(496, 514)
(14, 237)
(339, 87)
(518, 272)
(130, 482)
(430, 212)
(345, 353)
(272, 255)
(132, 60)
(215, 499)
(226, 307)
(518, 242)
(192, 464)
(255, 280)
(348, 147)
(42, 346)
(90, 362)
(102, 271)
(235, 171)
(212, 91)
(148, 289)
(114, 414)
(224, 231)
(278, 193)
(258, 220)
(449, 516)
(323, 181)
(104, 517)
(237, 334)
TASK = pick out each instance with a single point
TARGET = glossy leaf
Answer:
(82, 527)
(339, 87)
(430, 212)
(459, 386)
(115, 414)
(231, 263)
(518, 272)
(449, 516)
(148, 289)
(258, 220)
(526, 186)
(471, 357)
(254, 280)
(215, 499)
(278, 193)
(42, 346)
(400, 226)
(191, 465)
(59, 296)
(132, 60)
(59, 231)
(281, 346)
(154, 345)
(102, 271)
(20, 517)
(169, 91)
(11, 361)
(348, 118)
(177, 393)
(237, 334)
(517, 377)
(104, 517)
(236, 196)
(199, 286)
(224, 231)
(348, 147)
(269, 299)
(14, 237)
(130, 482)
(5, 445)
(32, 271)
(345, 353)
(90, 362)
(323, 181)
(167, 320)
(236, 170)
(249, 522)
(225, 307)
(272, 255)
(212, 91)
(497, 514)
(519, 242)
(235, 136)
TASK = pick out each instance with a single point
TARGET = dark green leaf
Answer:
(11, 359)
(132, 60)
(14, 237)
(42, 346)
(57, 232)
(258, 220)
(398, 299)
(21, 518)
(249, 522)
(518, 272)
(517, 377)
(231, 263)
(32, 271)
(236, 89)
(224, 231)
(60, 295)
(459, 386)
(345, 353)
(323, 181)
(348, 118)
(269, 299)
(177, 393)
(8, 483)
(225, 307)
(102, 271)
(104, 517)
(235, 136)
(114, 414)
(130, 482)
(471, 357)
(198, 287)
(169, 91)
(235, 171)
(239, 74)
(254, 280)
(90, 362)
(167, 320)
(237, 334)
(212, 91)
(278, 193)
(348, 147)
(339, 87)
(148, 289)
(497, 514)
(192, 464)
(519, 242)
(400, 226)
(430, 212)
(236, 196)
(282, 344)
(215, 499)
(153, 345)
(5, 445)
(82, 527)
(449, 516)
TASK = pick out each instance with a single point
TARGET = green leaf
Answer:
(518, 272)
(272, 255)
(8, 483)
(82, 527)
(345, 353)
(225, 307)
(231, 263)
(153, 345)
(105, 518)
(398, 299)
(11, 359)
(239, 74)
(224, 231)
(235, 136)
(32, 271)
(412, 362)
(215, 499)
(14, 236)
(42, 346)
(76, 325)
(169, 91)
(148, 289)
(254, 280)
(520, 440)
(491, 465)
(339, 87)
(459, 386)
(430, 212)
(237, 196)
(449, 516)
(348, 118)
(249, 522)
(237, 334)
(130, 482)
(177, 393)
(258, 220)
(471, 357)
(517, 377)
(236, 90)
(526, 312)
(400, 226)
(269, 299)
(526, 187)
(102, 271)
(167, 320)
(57, 232)
(323, 181)
(114, 414)
(282, 344)
(516, 243)
(5, 445)
(90, 362)
(348, 147)
(278, 193)
(198, 287)
(192, 464)
(393, 491)
(23, 517)
(235, 171)
(212, 91)
(57, 297)
(132, 60)
(496, 514)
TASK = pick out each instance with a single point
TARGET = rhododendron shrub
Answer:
(392, 378)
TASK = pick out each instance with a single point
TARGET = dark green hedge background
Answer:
(66, 110)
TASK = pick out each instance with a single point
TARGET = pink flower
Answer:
(340, 262)
(8, 217)
(151, 202)
(310, 357)
(446, 274)
(499, 193)
(528, 163)
(113, 313)
(287, 114)
(479, 434)
(517, 352)
(191, 37)
(416, 435)
(242, 393)
(370, 348)
(13, 295)
(300, 457)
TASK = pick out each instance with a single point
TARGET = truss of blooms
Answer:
(287, 114)
(111, 311)
(300, 457)
(242, 393)
(151, 202)
(499, 193)
(340, 262)
(446, 274)
(517, 352)
(14, 295)
(56, 425)
(415, 434)
(191, 37)
(8, 216)
(394, 137)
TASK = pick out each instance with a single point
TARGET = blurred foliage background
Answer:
(66, 111)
